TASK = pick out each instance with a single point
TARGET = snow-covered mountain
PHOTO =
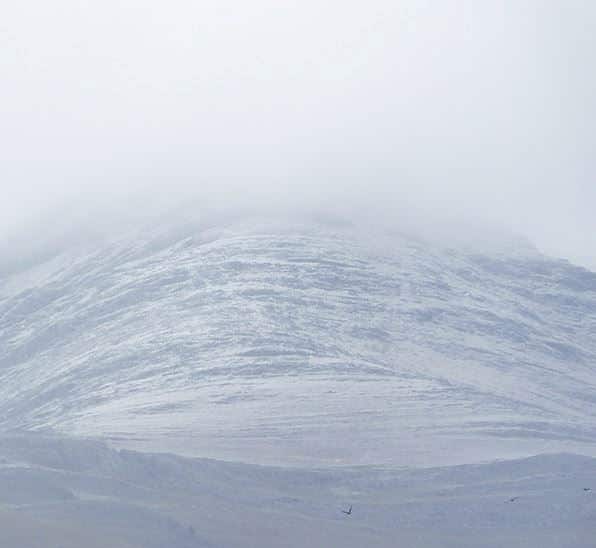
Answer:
(300, 343)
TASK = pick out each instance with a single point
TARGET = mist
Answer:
(435, 110)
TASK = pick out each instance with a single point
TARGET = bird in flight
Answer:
(587, 489)
(513, 499)
(348, 512)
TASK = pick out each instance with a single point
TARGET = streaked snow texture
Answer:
(302, 344)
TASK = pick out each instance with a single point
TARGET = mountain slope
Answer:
(303, 342)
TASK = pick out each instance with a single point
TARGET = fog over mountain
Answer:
(477, 110)
(300, 273)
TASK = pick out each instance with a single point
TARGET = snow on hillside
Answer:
(59, 492)
(302, 344)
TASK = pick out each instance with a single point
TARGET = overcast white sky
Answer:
(483, 109)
